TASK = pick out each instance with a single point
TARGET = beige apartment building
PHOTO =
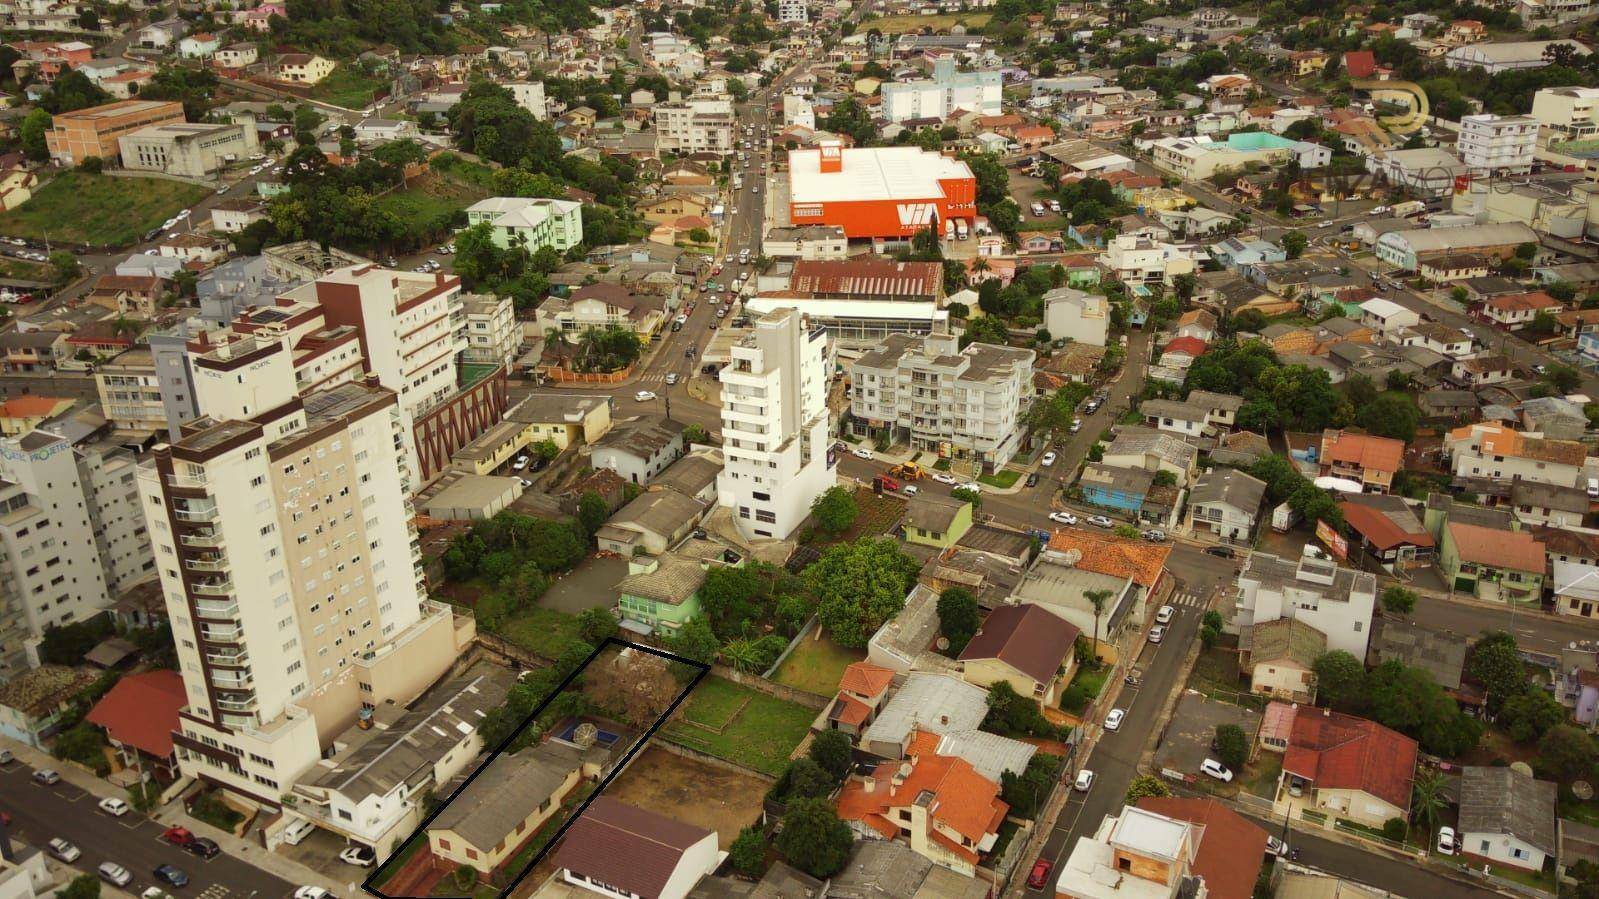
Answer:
(97, 131)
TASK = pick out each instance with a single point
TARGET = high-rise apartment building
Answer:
(293, 580)
(948, 90)
(697, 125)
(793, 11)
(1497, 144)
(774, 425)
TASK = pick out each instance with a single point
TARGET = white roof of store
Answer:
(872, 173)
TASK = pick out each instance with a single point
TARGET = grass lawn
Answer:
(99, 210)
(18, 270)
(348, 87)
(1003, 478)
(909, 24)
(542, 631)
(757, 731)
(816, 666)
(1261, 775)
(1093, 683)
(430, 199)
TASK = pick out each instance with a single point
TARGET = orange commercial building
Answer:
(75, 136)
(883, 193)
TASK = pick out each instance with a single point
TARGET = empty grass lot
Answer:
(816, 666)
(431, 200)
(348, 87)
(545, 632)
(99, 210)
(910, 24)
(756, 730)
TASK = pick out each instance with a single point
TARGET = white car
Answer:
(671, 378)
(1164, 615)
(360, 856)
(1157, 633)
(861, 452)
(973, 486)
(943, 478)
(1100, 521)
(1113, 721)
(1085, 779)
(1048, 460)
(1077, 425)
(312, 893)
(1448, 843)
(644, 396)
(1063, 518)
(114, 806)
(520, 463)
(1217, 770)
(64, 850)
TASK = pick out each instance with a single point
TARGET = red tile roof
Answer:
(867, 277)
(1365, 450)
(1516, 550)
(142, 711)
(627, 847)
(1360, 63)
(865, 679)
(1335, 751)
(962, 800)
(1026, 637)
(1522, 302)
(1191, 346)
(1380, 530)
(1231, 848)
(1116, 556)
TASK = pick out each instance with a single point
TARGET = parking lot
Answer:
(1186, 743)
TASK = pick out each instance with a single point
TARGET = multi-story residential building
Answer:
(1567, 113)
(530, 96)
(1076, 315)
(130, 394)
(793, 11)
(1164, 848)
(1491, 450)
(1334, 600)
(1493, 565)
(1369, 461)
(948, 90)
(493, 334)
(293, 579)
(1497, 145)
(775, 425)
(97, 131)
(302, 68)
(958, 403)
(530, 222)
(1226, 502)
(696, 125)
(1345, 766)
(1139, 260)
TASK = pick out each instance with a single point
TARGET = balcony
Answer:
(184, 480)
(218, 586)
(221, 634)
(213, 563)
(203, 513)
(213, 609)
(232, 680)
(235, 658)
(234, 705)
(207, 539)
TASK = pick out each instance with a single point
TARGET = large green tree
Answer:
(958, 617)
(834, 510)
(1494, 664)
(860, 585)
(1340, 679)
(813, 839)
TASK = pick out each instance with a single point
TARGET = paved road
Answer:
(1114, 760)
(133, 841)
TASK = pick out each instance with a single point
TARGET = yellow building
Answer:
(504, 806)
(934, 520)
(1026, 646)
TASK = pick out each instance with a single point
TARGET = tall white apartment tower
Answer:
(1498, 144)
(774, 425)
(793, 11)
(293, 580)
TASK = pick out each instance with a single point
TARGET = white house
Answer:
(1387, 317)
(1506, 817)
(1226, 502)
(615, 849)
(1334, 600)
(1076, 315)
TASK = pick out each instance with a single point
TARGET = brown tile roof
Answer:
(1516, 550)
(867, 277)
(1341, 752)
(1116, 556)
(626, 847)
(1522, 302)
(1026, 637)
(1365, 450)
(1379, 530)
(866, 679)
(1231, 848)
(963, 800)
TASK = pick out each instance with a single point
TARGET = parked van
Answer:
(297, 830)
(1038, 210)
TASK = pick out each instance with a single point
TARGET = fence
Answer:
(771, 688)
(667, 743)
(814, 622)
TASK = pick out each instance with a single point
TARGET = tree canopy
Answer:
(860, 585)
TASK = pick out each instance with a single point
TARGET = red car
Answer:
(183, 839)
(1040, 875)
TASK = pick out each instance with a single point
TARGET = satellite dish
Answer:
(1522, 768)
(1582, 790)
(942, 644)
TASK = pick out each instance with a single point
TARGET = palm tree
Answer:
(740, 655)
(1427, 799)
(1097, 599)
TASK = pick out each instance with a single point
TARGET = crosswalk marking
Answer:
(1187, 600)
(214, 891)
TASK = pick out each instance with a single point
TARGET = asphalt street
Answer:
(40, 814)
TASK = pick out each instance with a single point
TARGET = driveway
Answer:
(591, 585)
(133, 841)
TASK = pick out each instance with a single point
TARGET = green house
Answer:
(1499, 566)
(937, 521)
(661, 593)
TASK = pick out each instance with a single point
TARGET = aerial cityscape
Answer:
(867, 449)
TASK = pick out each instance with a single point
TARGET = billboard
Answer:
(1335, 541)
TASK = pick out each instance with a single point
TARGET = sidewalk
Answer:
(173, 815)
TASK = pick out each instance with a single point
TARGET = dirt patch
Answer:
(691, 791)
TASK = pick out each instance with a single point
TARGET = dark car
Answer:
(1221, 552)
(171, 875)
(1032, 479)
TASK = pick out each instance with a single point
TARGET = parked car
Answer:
(171, 875)
(1032, 479)
(6, 757)
(309, 892)
(360, 856)
(1063, 518)
(111, 805)
(1276, 847)
(973, 486)
(861, 452)
(1048, 460)
(944, 478)
(46, 776)
(1077, 425)
(1448, 842)
(115, 874)
(644, 396)
(520, 463)
(63, 850)
(1164, 615)
(908, 490)
(1113, 721)
(1221, 552)
(1155, 535)
(1085, 779)
(1217, 770)
(1040, 874)
(1157, 633)
(205, 847)
(1100, 521)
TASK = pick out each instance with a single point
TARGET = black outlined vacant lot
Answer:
(386, 869)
